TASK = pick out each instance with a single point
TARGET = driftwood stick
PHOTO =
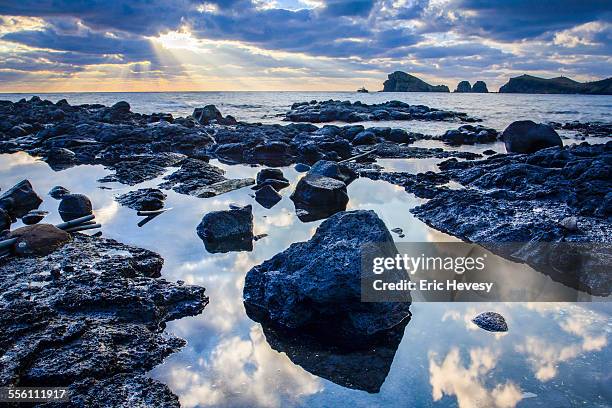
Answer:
(359, 156)
(83, 227)
(75, 222)
(145, 213)
(7, 243)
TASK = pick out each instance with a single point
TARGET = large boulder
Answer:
(317, 197)
(526, 136)
(316, 285)
(39, 240)
(74, 206)
(227, 230)
(20, 199)
(210, 114)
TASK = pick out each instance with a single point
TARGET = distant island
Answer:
(465, 87)
(402, 82)
(559, 85)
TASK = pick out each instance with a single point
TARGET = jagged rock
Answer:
(338, 171)
(464, 86)
(480, 87)
(38, 240)
(400, 81)
(526, 136)
(146, 199)
(94, 322)
(267, 196)
(20, 199)
(74, 206)
(273, 178)
(491, 321)
(315, 286)
(210, 114)
(58, 192)
(227, 230)
(470, 134)
(317, 197)
(34, 217)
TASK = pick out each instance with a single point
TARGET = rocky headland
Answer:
(559, 85)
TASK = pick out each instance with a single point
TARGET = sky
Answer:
(183, 45)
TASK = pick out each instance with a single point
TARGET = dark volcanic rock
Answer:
(137, 169)
(34, 217)
(491, 321)
(229, 230)
(315, 286)
(201, 179)
(145, 199)
(424, 185)
(464, 87)
(317, 197)
(58, 192)
(20, 199)
(346, 111)
(5, 220)
(273, 178)
(586, 129)
(94, 323)
(523, 198)
(470, 134)
(267, 196)
(526, 136)
(338, 171)
(39, 240)
(402, 82)
(210, 114)
(74, 206)
(480, 87)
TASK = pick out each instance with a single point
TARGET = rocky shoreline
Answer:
(85, 293)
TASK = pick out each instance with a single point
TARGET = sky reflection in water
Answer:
(553, 354)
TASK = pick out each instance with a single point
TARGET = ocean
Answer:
(554, 354)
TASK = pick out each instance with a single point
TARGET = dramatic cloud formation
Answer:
(295, 44)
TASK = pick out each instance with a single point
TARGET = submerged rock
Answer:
(39, 240)
(227, 230)
(316, 285)
(491, 321)
(20, 199)
(93, 322)
(74, 206)
(144, 199)
(526, 136)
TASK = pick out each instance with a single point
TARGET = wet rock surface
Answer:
(20, 199)
(58, 192)
(74, 206)
(316, 197)
(491, 321)
(267, 196)
(38, 240)
(144, 199)
(346, 111)
(470, 134)
(315, 286)
(586, 129)
(93, 322)
(34, 217)
(227, 230)
(526, 197)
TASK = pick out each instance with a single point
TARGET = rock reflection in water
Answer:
(361, 366)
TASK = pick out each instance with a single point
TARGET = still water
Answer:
(554, 354)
